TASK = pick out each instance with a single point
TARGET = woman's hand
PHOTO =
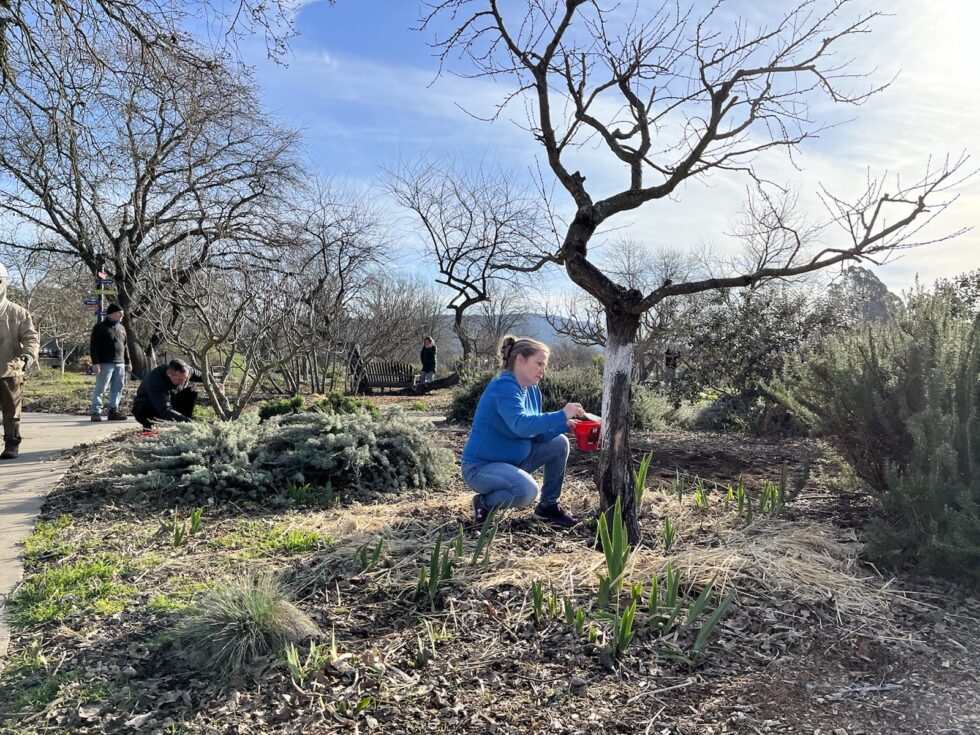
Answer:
(574, 411)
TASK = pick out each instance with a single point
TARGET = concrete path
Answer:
(26, 480)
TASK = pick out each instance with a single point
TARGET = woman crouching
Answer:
(511, 438)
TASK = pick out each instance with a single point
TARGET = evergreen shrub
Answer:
(331, 403)
(582, 385)
(901, 402)
(344, 454)
(280, 407)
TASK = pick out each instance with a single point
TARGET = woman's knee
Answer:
(526, 493)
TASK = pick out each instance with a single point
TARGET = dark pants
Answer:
(11, 396)
(182, 402)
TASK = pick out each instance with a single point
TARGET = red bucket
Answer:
(587, 434)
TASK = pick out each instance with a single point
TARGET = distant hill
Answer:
(535, 326)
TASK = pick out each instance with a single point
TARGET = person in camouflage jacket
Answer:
(19, 345)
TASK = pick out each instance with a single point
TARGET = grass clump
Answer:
(46, 539)
(239, 621)
(88, 585)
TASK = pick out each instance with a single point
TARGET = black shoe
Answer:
(555, 515)
(480, 510)
(116, 416)
(11, 449)
(96, 417)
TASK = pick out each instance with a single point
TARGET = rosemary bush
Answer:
(901, 402)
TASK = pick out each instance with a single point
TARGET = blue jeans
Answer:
(108, 371)
(504, 485)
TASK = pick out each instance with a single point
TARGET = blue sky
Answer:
(363, 88)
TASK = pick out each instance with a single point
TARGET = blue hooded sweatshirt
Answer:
(508, 418)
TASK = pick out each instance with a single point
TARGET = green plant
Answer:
(195, 520)
(368, 556)
(303, 493)
(236, 622)
(677, 486)
(338, 403)
(280, 407)
(85, 585)
(537, 601)
(569, 609)
(700, 496)
(740, 495)
(669, 535)
(899, 401)
(347, 455)
(45, 541)
(664, 599)
(636, 591)
(578, 622)
(484, 542)
(623, 630)
(640, 478)
(418, 406)
(553, 603)
(439, 571)
(711, 623)
(616, 550)
(301, 669)
(460, 540)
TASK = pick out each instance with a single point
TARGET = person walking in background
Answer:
(19, 346)
(109, 349)
(511, 438)
(164, 394)
(428, 358)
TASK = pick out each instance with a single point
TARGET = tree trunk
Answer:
(464, 339)
(615, 473)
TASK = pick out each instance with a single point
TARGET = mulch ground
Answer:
(874, 655)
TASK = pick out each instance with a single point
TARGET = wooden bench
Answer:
(387, 374)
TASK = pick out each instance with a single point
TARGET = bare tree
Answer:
(230, 317)
(480, 229)
(581, 317)
(176, 157)
(672, 98)
(334, 241)
(503, 313)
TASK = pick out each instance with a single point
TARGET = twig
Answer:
(868, 689)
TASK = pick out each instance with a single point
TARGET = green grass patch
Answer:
(257, 538)
(178, 598)
(84, 585)
(47, 541)
(49, 391)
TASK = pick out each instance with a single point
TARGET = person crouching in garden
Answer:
(163, 394)
(511, 438)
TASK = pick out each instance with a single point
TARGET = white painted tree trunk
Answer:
(615, 473)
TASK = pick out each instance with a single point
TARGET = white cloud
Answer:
(360, 113)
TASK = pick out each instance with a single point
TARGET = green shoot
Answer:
(640, 479)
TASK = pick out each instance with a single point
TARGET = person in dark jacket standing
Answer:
(163, 394)
(109, 350)
(428, 358)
